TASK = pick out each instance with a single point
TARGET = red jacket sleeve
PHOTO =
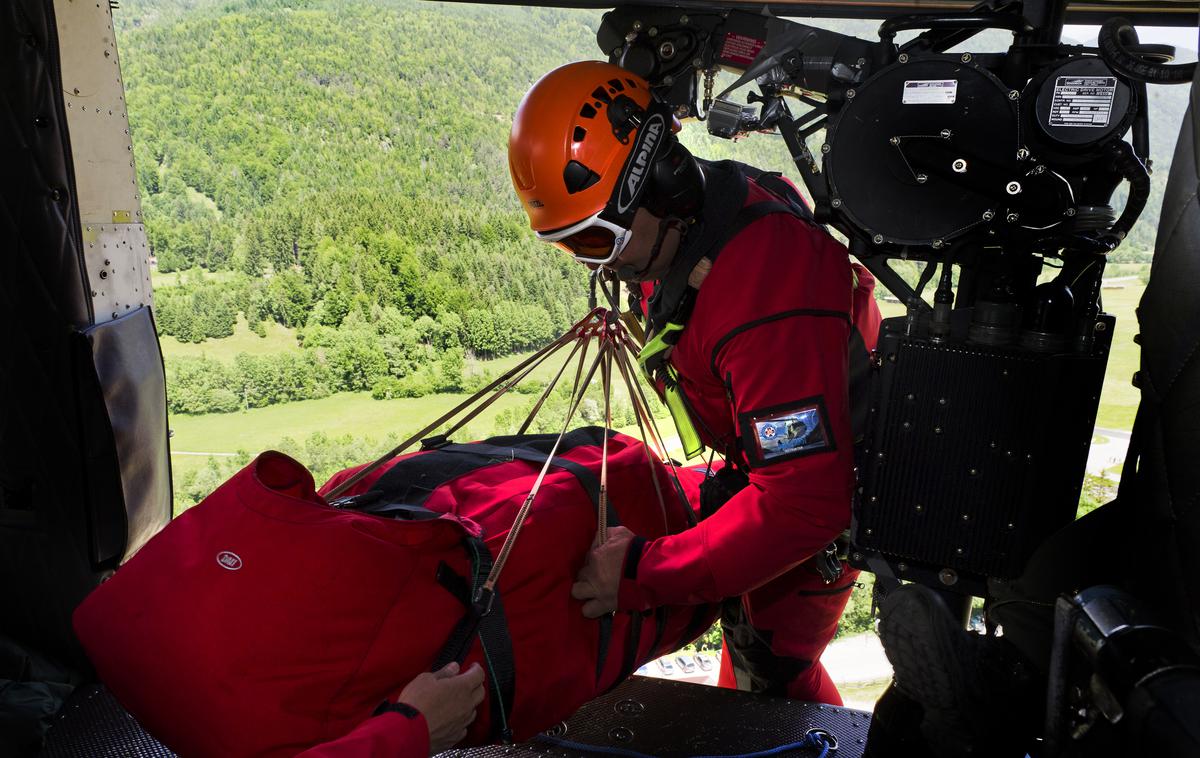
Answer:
(391, 734)
(785, 366)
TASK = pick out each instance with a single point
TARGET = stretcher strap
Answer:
(491, 627)
(410, 482)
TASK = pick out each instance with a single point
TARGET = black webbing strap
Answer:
(487, 621)
(411, 481)
(630, 662)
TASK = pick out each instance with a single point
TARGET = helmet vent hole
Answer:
(580, 133)
(602, 95)
(632, 84)
(578, 177)
(616, 85)
(587, 111)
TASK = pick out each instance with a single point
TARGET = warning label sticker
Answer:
(740, 49)
(1082, 101)
(930, 92)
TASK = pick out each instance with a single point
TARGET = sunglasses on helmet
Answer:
(594, 240)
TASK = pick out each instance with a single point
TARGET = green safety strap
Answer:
(652, 356)
(652, 359)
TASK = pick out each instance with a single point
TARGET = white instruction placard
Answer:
(930, 91)
(1082, 101)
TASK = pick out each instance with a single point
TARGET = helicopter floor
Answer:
(643, 717)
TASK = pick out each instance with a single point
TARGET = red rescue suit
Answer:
(763, 363)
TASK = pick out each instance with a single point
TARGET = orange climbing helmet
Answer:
(585, 142)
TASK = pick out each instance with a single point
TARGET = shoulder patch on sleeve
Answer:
(787, 431)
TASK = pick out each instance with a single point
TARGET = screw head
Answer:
(945, 133)
(1022, 154)
(652, 31)
(966, 58)
(1012, 218)
(836, 202)
(850, 93)
(1014, 95)
(938, 244)
(825, 148)
(903, 58)
(949, 576)
(894, 140)
(683, 19)
(877, 239)
(988, 215)
(1070, 211)
(666, 51)
(1013, 188)
(1101, 326)
(637, 26)
(959, 166)
(922, 178)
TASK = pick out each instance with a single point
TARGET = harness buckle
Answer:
(827, 564)
(481, 604)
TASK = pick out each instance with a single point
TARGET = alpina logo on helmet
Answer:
(635, 173)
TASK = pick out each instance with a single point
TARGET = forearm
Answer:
(751, 540)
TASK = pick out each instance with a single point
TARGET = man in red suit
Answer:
(758, 326)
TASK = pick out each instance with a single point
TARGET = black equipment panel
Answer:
(933, 133)
(649, 716)
(1015, 424)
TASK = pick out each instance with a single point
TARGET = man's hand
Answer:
(600, 578)
(447, 700)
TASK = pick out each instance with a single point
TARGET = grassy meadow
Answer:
(359, 415)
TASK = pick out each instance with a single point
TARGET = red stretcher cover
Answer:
(264, 621)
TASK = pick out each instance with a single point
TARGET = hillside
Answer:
(337, 167)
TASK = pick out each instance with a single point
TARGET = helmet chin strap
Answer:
(628, 273)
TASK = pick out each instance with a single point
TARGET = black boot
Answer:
(979, 696)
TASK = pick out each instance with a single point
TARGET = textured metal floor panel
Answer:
(648, 716)
(93, 724)
(672, 719)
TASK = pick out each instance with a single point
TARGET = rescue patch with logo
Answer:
(783, 432)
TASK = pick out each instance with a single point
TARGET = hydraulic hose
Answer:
(956, 21)
(1116, 35)
(1131, 167)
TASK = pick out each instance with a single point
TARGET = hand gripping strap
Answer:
(487, 620)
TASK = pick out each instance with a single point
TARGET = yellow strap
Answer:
(657, 346)
(688, 436)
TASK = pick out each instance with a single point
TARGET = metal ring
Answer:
(824, 734)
